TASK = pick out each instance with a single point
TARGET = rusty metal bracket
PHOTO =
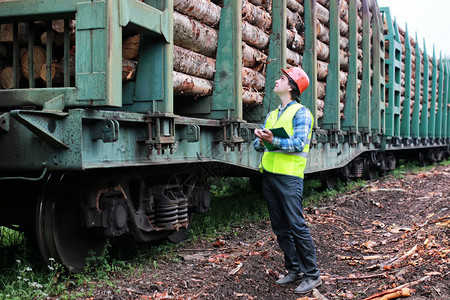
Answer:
(232, 136)
(4, 122)
(106, 130)
(160, 132)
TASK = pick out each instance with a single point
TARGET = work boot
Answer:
(289, 278)
(307, 285)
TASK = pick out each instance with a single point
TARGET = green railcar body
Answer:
(95, 125)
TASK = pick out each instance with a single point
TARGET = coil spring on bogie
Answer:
(357, 168)
(170, 215)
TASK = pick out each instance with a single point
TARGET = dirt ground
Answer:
(392, 232)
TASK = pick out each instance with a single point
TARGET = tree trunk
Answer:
(130, 47)
(193, 35)
(191, 63)
(204, 11)
(189, 85)
(128, 70)
(38, 60)
(252, 57)
(321, 88)
(252, 79)
(294, 41)
(6, 78)
(323, 34)
(295, 6)
(293, 58)
(57, 73)
(6, 33)
(320, 104)
(254, 36)
(322, 69)
(343, 60)
(256, 16)
(343, 43)
(343, 28)
(293, 20)
(322, 14)
(323, 51)
(250, 98)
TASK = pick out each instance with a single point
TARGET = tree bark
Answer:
(190, 85)
(38, 60)
(252, 57)
(191, 63)
(204, 11)
(294, 41)
(256, 16)
(130, 47)
(193, 35)
(322, 69)
(250, 98)
(343, 28)
(323, 34)
(295, 6)
(254, 36)
(293, 20)
(322, 14)
(6, 78)
(343, 60)
(128, 70)
(293, 58)
(343, 43)
(57, 73)
(252, 79)
(321, 88)
(323, 51)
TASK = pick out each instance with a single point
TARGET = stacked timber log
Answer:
(196, 36)
(56, 30)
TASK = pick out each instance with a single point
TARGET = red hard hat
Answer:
(299, 76)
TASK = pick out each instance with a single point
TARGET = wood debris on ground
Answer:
(387, 244)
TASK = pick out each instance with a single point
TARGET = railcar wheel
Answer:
(369, 171)
(328, 179)
(60, 234)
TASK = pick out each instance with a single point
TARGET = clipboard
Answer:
(278, 132)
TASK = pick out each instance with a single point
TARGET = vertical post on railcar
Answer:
(331, 112)
(309, 96)
(351, 100)
(438, 129)
(415, 129)
(424, 116)
(227, 93)
(276, 55)
(445, 114)
(154, 77)
(432, 116)
(377, 107)
(393, 86)
(446, 121)
(364, 116)
(406, 117)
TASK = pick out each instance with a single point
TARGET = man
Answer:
(282, 170)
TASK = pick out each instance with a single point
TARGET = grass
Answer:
(233, 203)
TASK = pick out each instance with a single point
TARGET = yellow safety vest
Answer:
(280, 161)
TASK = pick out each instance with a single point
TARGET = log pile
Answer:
(39, 53)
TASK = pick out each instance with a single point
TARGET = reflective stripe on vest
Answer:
(280, 161)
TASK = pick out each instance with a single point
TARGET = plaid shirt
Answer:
(302, 124)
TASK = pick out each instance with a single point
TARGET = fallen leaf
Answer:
(219, 243)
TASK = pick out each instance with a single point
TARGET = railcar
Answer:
(98, 143)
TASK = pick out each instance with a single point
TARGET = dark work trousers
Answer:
(284, 199)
